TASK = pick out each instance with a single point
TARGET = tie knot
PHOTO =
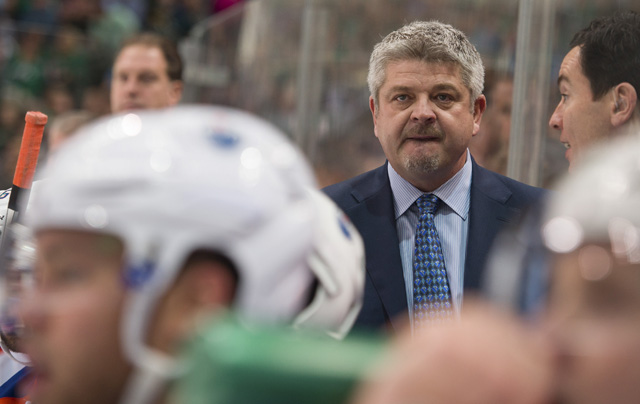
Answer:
(428, 203)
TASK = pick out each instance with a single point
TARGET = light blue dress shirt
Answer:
(452, 224)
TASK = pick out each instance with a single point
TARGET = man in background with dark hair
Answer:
(598, 82)
(147, 74)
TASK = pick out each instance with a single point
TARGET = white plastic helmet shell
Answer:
(173, 181)
(599, 202)
(337, 261)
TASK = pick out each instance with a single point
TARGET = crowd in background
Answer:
(56, 56)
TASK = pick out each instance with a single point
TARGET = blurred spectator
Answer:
(78, 13)
(112, 25)
(95, 99)
(10, 159)
(11, 120)
(41, 14)
(139, 7)
(174, 19)
(11, 126)
(24, 72)
(147, 73)
(58, 99)
(344, 156)
(68, 61)
(490, 147)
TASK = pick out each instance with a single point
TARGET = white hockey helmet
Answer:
(599, 203)
(170, 182)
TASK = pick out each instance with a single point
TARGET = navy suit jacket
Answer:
(367, 200)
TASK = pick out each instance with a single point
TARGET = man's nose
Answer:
(556, 119)
(423, 111)
(131, 86)
(31, 311)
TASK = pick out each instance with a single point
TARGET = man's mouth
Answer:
(566, 145)
(424, 133)
(423, 138)
(132, 106)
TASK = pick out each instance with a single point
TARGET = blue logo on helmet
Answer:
(344, 228)
(224, 140)
(136, 275)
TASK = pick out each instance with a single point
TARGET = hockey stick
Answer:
(26, 167)
(22, 180)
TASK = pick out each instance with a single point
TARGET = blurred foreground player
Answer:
(592, 228)
(148, 222)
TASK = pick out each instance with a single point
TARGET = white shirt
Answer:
(451, 221)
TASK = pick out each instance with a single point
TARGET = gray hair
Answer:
(427, 41)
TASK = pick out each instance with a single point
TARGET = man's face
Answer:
(501, 111)
(72, 319)
(593, 324)
(140, 80)
(581, 121)
(424, 121)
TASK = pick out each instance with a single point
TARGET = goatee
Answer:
(424, 164)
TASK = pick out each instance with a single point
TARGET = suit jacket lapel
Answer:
(374, 215)
(487, 214)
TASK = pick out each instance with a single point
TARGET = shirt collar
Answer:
(454, 192)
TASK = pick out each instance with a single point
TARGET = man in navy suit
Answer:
(426, 83)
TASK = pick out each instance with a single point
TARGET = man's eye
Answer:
(402, 97)
(147, 78)
(68, 276)
(444, 98)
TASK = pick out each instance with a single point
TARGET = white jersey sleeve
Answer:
(4, 205)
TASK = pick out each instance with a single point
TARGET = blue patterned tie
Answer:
(431, 294)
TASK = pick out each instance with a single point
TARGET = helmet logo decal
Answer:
(342, 221)
(224, 140)
(136, 275)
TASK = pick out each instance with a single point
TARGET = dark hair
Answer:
(610, 51)
(167, 46)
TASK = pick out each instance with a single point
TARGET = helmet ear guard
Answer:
(337, 261)
(596, 205)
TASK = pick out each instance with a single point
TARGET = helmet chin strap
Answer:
(13, 355)
(152, 369)
(150, 378)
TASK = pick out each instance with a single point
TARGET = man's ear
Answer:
(479, 106)
(177, 87)
(374, 113)
(210, 284)
(624, 104)
(202, 289)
